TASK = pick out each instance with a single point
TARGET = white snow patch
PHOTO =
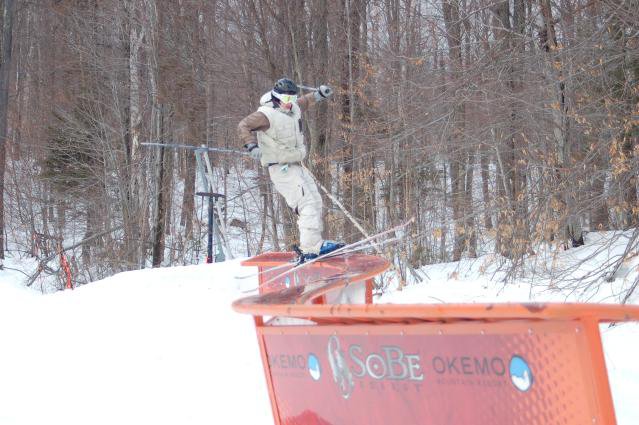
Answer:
(159, 346)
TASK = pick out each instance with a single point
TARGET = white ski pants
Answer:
(298, 188)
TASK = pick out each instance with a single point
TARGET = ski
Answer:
(340, 251)
(327, 256)
(355, 246)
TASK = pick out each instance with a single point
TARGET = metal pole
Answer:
(307, 87)
(222, 226)
(209, 241)
(219, 254)
(213, 230)
(196, 148)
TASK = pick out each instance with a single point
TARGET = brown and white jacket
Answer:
(278, 133)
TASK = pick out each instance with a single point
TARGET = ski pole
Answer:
(342, 207)
(355, 222)
(307, 88)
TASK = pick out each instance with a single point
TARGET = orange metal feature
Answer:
(67, 270)
(424, 364)
(600, 385)
(432, 374)
(317, 278)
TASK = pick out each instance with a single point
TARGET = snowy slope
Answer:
(157, 346)
(162, 346)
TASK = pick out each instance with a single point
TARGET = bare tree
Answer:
(8, 12)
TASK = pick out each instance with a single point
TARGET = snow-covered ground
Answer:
(158, 346)
(163, 346)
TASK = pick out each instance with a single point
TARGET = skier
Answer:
(279, 146)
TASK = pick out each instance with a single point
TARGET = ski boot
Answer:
(330, 246)
(326, 248)
(301, 256)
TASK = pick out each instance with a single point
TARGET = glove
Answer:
(323, 92)
(253, 150)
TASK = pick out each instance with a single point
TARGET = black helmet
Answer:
(285, 86)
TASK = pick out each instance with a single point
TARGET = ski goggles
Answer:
(286, 98)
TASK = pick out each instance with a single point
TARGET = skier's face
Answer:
(287, 100)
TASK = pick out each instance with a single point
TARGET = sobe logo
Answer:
(342, 375)
(391, 363)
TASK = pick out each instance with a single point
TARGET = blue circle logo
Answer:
(314, 367)
(520, 374)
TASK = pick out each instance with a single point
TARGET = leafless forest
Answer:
(501, 126)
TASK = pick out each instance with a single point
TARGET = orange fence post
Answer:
(66, 268)
(267, 374)
(600, 373)
(368, 299)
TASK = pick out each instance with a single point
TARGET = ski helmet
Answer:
(285, 86)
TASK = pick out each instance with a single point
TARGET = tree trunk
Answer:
(5, 76)
(460, 175)
(188, 198)
(350, 72)
(566, 191)
(623, 76)
(469, 215)
(512, 233)
(485, 181)
(600, 215)
(319, 146)
(160, 214)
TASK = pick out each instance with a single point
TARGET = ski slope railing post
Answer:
(269, 381)
(429, 364)
(600, 373)
(369, 291)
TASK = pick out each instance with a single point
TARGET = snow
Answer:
(163, 346)
(158, 346)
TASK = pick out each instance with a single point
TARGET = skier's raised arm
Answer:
(310, 99)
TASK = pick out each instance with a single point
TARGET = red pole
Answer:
(66, 268)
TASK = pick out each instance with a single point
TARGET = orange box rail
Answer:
(332, 363)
